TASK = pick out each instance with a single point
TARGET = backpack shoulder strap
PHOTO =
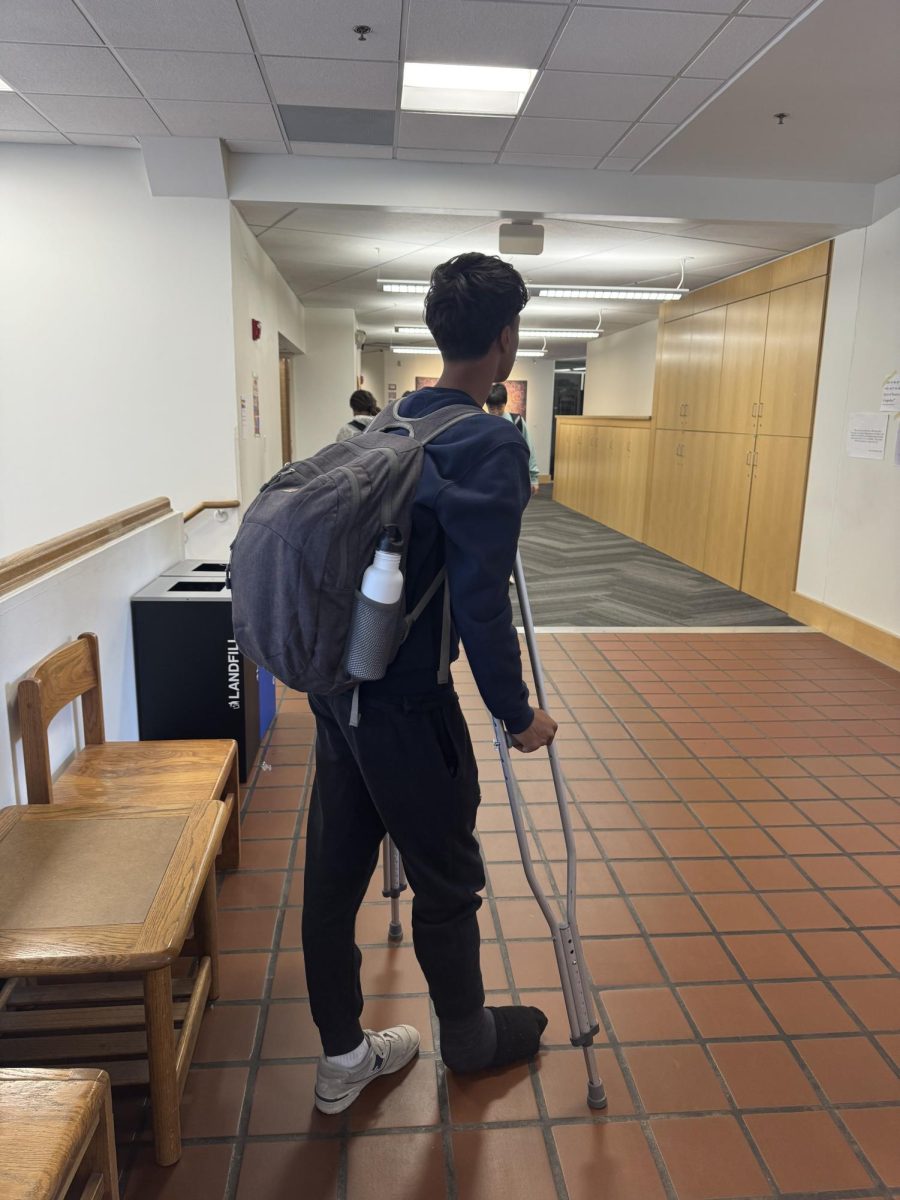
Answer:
(518, 422)
(360, 425)
(423, 429)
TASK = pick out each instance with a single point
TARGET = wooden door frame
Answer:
(284, 384)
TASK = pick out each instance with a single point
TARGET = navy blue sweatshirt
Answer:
(467, 514)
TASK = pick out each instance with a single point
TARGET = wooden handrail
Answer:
(204, 504)
(27, 565)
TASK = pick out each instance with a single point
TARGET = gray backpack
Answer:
(304, 543)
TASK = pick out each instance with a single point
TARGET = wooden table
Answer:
(56, 1133)
(88, 891)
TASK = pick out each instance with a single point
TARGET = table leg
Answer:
(164, 1095)
(206, 927)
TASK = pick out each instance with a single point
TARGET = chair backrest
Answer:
(58, 680)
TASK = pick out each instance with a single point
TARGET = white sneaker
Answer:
(389, 1051)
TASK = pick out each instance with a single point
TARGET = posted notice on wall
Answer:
(890, 393)
(867, 435)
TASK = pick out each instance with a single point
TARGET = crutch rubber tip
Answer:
(395, 932)
(596, 1095)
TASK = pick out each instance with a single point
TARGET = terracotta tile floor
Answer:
(737, 802)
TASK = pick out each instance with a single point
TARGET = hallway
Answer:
(737, 800)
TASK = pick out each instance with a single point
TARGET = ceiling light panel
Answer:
(434, 350)
(423, 330)
(475, 90)
(403, 286)
(557, 292)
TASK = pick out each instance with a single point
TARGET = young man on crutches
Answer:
(406, 767)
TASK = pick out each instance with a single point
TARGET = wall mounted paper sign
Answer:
(256, 406)
(890, 393)
(897, 449)
(867, 434)
(245, 416)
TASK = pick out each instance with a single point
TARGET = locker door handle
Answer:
(749, 458)
(756, 458)
(762, 405)
(754, 410)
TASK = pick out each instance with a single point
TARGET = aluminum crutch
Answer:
(394, 884)
(574, 977)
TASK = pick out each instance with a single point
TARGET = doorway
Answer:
(284, 380)
(568, 395)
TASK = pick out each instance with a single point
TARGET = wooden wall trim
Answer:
(190, 513)
(867, 639)
(27, 565)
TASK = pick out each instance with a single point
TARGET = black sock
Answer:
(495, 1037)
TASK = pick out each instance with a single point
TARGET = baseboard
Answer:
(868, 639)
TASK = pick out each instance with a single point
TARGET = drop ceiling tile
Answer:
(436, 131)
(329, 82)
(170, 24)
(262, 212)
(298, 249)
(696, 6)
(641, 140)
(681, 99)
(344, 126)
(489, 32)
(555, 135)
(100, 114)
(63, 70)
(316, 30)
(189, 75)
(591, 95)
(31, 135)
(395, 225)
(631, 41)
(457, 156)
(115, 141)
(341, 150)
(774, 8)
(16, 114)
(57, 21)
(196, 118)
(618, 164)
(548, 160)
(249, 146)
(738, 41)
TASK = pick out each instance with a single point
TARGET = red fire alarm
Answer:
(255, 330)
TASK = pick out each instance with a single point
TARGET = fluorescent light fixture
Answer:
(4, 86)
(453, 88)
(563, 292)
(434, 350)
(579, 334)
(412, 287)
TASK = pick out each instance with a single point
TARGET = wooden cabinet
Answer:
(701, 393)
(602, 465)
(662, 513)
(790, 366)
(729, 500)
(775, 518)
(682, 470)
(674, 366)
(742, 365)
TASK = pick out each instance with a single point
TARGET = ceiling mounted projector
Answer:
(521, 237)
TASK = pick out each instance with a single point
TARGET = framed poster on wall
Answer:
(516, 392)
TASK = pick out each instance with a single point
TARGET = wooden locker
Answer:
(697, 450)
(701, 395)
(791, 363)
(729, 501)
(664, 493)
(775, 517)
(562, 467)
(742, 365)
(674, 365)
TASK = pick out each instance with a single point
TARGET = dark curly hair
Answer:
(364, 403)
(472, 298)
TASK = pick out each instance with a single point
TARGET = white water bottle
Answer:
(383, 580)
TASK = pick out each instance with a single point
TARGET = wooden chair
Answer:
(113, 772)
(56, 1136)
(95, 909)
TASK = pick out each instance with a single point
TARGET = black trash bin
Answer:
(192, 681)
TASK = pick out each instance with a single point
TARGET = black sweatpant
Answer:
(407, 768)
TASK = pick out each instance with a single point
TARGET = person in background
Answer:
(365, 410)
(496, 406)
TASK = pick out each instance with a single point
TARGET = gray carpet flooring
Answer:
(579, 572)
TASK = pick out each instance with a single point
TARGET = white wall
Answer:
(850, 546)
(372, 370)
(402, 370)
(89, 595)
(324, 378)
(618, 380)
(116, 359)
(259, 292)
